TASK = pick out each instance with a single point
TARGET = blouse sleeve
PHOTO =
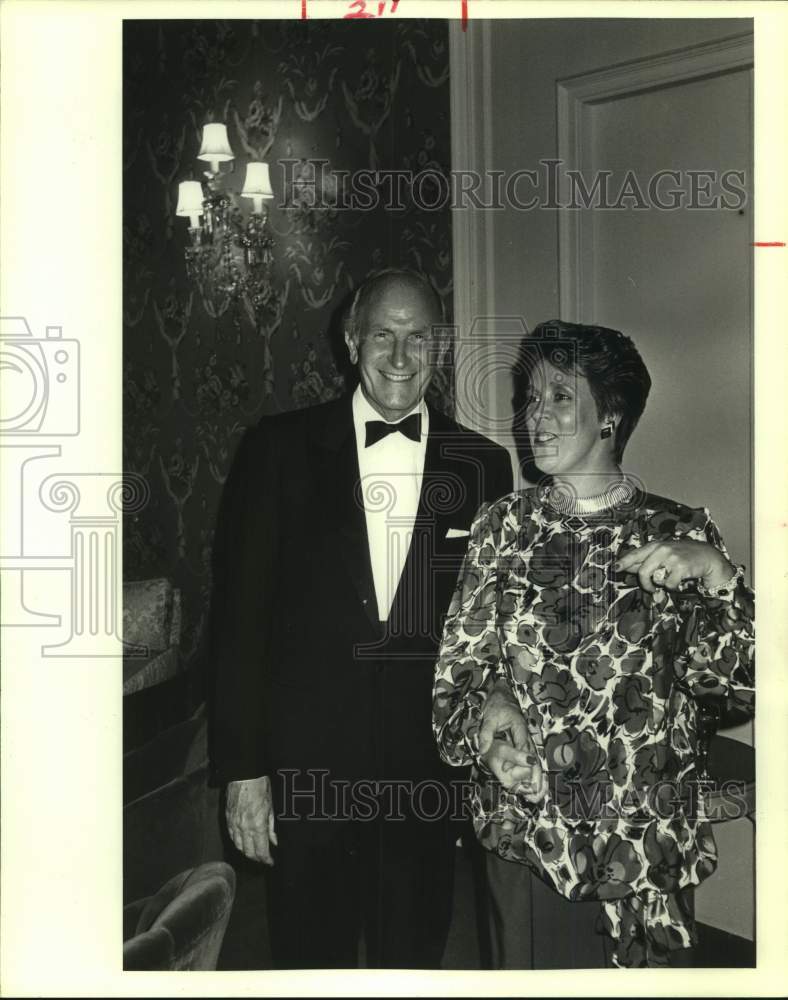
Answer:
(470, 651)
(717, 637)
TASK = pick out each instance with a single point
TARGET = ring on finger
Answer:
(659, 575)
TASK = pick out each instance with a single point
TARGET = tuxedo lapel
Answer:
(439, 484)
(337, 477)
(440, 491)
(335, 457)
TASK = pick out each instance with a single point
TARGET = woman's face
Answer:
(563, 424)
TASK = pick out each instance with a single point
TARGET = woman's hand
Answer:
(506, 763)
(506, 747)
(668, 564)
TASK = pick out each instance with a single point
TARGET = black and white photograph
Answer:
(420, 585)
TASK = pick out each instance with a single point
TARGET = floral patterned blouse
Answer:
(606, 675)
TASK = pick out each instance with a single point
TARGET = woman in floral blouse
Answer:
(588, 617)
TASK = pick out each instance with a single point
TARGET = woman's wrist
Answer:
(721, 585)
(503, 689)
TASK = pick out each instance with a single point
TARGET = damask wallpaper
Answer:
(357, 95)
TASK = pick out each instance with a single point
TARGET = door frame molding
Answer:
(473, 239)
(574, 95)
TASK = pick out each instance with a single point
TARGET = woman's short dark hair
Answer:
(617, 375)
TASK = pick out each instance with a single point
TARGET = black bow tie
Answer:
(410, 427)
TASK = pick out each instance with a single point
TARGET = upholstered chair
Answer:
(182, 926)
(151, 632)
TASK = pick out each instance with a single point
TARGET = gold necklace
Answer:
(563, 499)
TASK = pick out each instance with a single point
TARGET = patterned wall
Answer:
(361, 95)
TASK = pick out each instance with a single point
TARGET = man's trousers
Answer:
(387, 882)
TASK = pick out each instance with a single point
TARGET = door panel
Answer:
(680, 283)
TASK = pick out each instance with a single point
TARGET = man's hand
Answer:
(512, 759)
(250, 818)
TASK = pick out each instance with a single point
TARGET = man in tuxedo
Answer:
(341, 533)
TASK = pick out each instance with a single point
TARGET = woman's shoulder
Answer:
(660, 516)
(518, 505)
(502, 520)
(665, 516)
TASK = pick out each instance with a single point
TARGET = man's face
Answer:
(395, 346)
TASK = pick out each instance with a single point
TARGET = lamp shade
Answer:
(190, 198)
(215, 144)
(257, 183)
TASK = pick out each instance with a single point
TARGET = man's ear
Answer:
(352, 346)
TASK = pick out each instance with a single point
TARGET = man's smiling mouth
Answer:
(542, 437)
(391, 377)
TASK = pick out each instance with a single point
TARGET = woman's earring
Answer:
(606, 431)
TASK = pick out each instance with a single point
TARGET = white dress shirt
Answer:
(391, 473)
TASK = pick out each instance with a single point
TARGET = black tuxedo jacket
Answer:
(305, 676)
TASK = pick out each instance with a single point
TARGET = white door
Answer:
(680, 283)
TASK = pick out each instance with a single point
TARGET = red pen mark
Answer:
(303, 10)
(362, 11)
(768, 244)
(464, 8)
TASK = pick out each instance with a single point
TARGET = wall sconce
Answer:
(229, 256)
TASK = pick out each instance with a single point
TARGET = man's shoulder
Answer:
(280, 434)
(295, 422)
(465, 437)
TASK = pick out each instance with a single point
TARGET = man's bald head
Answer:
(374, 286)
(394, 334)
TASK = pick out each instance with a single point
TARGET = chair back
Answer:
(182, 926)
